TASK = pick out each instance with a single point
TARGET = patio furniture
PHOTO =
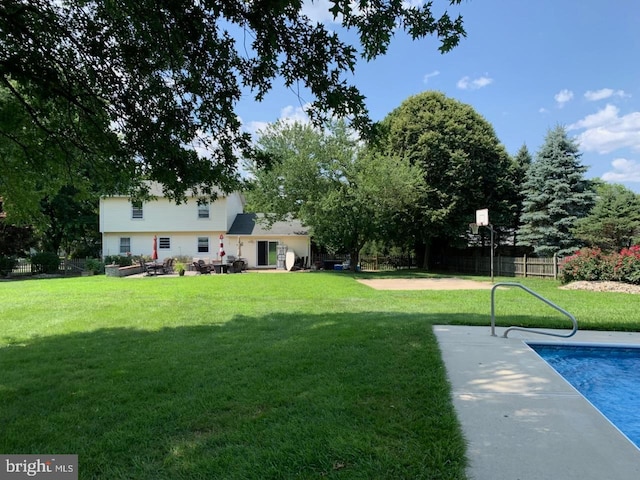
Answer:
(236, 266)
(167, 265)
(150, 268)
(220, 267)
(201, 267)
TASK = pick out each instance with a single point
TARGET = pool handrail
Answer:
(524, 329)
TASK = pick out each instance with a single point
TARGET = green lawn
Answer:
(300, 375)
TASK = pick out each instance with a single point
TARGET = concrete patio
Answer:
(521, 420)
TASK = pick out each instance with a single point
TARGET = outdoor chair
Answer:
(201, 267)
(237, 266)
(167, 265)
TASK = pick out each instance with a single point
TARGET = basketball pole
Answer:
(491, 228)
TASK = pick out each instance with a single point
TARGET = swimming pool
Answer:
(607, 376)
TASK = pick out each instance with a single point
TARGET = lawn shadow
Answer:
(278, 396)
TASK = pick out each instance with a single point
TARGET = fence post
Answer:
(555, 266)
(524, 265)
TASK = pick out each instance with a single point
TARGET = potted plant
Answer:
(180, 268)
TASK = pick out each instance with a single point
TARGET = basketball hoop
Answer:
(482, 217)
(474, 228)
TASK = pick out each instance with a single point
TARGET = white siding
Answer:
(162, 216)
(249, 249)
(180, 223)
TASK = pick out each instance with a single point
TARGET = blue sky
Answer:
(525, 66)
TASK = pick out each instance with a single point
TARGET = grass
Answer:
(249, 376)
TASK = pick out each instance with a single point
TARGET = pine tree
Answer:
(521, 164)
(556, 195)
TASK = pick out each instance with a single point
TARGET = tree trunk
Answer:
(422, 254)
(354, 259)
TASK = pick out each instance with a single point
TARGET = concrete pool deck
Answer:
(521, 420)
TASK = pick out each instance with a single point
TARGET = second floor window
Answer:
(203, 211)
(136, 210)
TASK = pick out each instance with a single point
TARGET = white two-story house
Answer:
(196, 231)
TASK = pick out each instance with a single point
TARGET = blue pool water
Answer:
(607, 376)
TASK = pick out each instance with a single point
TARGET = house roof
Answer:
(249, 224)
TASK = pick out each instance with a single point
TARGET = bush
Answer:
(7, 264)
(120, 260)
(627, 267)
(591, 264)
(94, 265)
(45, 262)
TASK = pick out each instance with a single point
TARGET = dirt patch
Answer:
(426, 284)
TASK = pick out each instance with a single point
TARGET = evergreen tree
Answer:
(521, 164)
(614, 221)
(556, 195)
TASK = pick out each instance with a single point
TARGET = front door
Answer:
(267, 253)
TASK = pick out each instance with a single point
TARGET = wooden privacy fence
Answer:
(504, 266)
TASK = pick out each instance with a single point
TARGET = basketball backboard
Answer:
(482, 217)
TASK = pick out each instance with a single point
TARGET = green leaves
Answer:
(461, 161)
(614, 221)
(556, 195)
(346, 195)
(141, 89)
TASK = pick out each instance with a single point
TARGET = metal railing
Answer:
(523, 329)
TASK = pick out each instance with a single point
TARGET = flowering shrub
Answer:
(586, 264)
(591, 264)
(627, 267)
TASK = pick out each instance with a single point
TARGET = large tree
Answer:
(126, 90)
(521, 164)
(325, 178)
(70, 223)
(464, 166)
(556, 195)
(614, 221)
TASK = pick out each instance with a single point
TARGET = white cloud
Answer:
(606, 131)
(595, 95)
(543, 110)
(428, 76)
(291, 114)
(288, 115)
(466, 83)
(624, 170)
(318, 11)
(562, 97)
(605, 116)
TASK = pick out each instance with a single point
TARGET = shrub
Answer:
(94, 265)
(627, 268)
(591, 264)
(7, 264)
(45, 262)
(586, 264)
(120, 260)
